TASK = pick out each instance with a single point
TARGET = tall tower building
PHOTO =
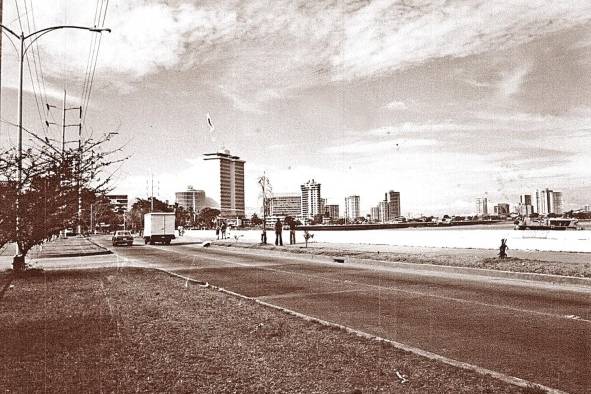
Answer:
(352, 211)
(231, 183)
(394, 204)
(310, 199)
(549, 201)
(482, 206)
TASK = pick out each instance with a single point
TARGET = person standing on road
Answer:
(224, 227)
(217, 231)
(292, 229)
(278, 231)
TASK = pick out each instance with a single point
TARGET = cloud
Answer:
(396, 105)
(385, 36)
(375, 147)
(512, 81)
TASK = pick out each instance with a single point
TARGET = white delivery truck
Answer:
(159, 227)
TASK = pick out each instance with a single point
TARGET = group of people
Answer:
(279, 232)
(220, 229)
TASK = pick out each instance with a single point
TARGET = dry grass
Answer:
(512, 264)
(142, 331)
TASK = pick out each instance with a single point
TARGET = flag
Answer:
(211, 128)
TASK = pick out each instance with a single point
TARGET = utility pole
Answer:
(1, 21)
(65, 108)
(18, 262)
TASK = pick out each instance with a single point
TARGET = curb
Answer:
(398, 345)
(426, 267)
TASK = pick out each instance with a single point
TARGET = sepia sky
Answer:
(444, 101)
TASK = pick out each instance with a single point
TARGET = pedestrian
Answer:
(224, 227)
(503, 248)
(217, 231)
(292, 229)
(278, 231)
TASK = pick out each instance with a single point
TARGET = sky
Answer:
(443, 101)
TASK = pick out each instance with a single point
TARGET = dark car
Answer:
(122, 238)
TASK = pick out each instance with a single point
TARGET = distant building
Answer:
(375, 214)
(394, 204)
(281, 205)
(557, 203)
(587, 208)
(383, 211)
(388, 209)
(231, 181)
(332, 211)
(502, 209)
(548, 201)
(191, 199)
(310, 199)
(352, 211)
(482, 206)
(525, 207)
(118, 202)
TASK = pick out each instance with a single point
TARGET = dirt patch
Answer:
(139, 330)
(512, 264)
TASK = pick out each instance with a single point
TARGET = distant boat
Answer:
(547, 224)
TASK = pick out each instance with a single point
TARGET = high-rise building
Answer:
(525, 207)
(231, 184)
(384, 211)
(482, 206)
(352, 211)
(501, 209)
(557, 203)
(310, 199)
(332, 211)
(375, 214)
(191, 199)
(321, 209)
(285, 205)
(394, 204)
(548, 201)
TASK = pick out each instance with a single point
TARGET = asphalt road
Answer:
(538, 332)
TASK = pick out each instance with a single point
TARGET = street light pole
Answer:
(19, 259)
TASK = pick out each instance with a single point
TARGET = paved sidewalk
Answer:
(60, 247)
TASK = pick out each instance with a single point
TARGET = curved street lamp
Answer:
(18, 259)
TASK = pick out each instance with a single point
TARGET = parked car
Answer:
(122, 237)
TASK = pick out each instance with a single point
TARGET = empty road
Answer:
(534, 331)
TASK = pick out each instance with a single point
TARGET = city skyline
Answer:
(494, 101)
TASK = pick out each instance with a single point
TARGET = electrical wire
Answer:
(43, 126)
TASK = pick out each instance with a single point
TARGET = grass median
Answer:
(135, 330)
(446, 258)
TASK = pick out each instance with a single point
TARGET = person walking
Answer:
(292, 230)
(217, 231)
(278, 231)
(224, 227)
(503, 248)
